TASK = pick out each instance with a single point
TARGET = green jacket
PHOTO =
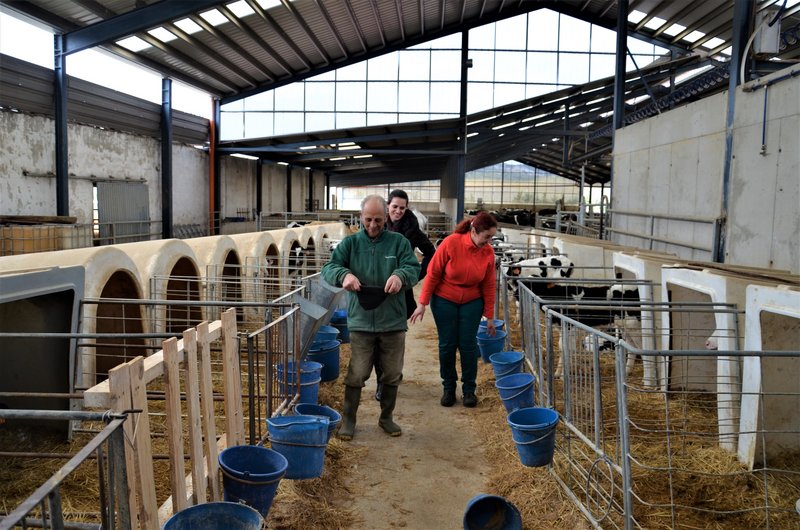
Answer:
(372, 262)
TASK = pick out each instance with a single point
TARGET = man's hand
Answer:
(351, 283)
(393, 284)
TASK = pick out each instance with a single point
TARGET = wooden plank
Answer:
(38, 219)
(148, 509)
(165, 510)
(120, 386)
(172, 387)
(209, 425)
(231, 370)
(193, 416)
(98, 396)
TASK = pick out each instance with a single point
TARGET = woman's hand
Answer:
(418, 313)
(490, 329)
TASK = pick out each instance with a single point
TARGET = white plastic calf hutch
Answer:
(221, 268)
(109, 274)
(770, 415)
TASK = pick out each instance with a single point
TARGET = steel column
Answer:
(259, 186)
(310, 190)
(461, 164)
(166, 158)
(217, 170)
(743, 13)
(62, 143)
(619, 80)
(288, 188)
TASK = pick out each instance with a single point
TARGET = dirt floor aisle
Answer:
(424, 478)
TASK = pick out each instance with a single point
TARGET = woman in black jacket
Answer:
(403, 220)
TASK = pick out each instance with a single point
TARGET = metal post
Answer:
(581, 202)
(288, 188)
(310, 190)
(622, 402)
(742, 17)
(259, 186)
(217, 165)
(62, 142)
(166, 158)
(462, 129)
(619, 76)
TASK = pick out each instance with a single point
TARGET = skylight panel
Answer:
(189, 26)
(713, 43)
(162, 34)
(655, 23)
(240, 9)
(635, 16)
(134, 44)
(267, 4)
(695, 35)
(214, 17)
(674, 30)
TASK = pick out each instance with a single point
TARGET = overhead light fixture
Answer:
(283, 163)
(308, 147)
(362, 156)
(498, 127)
(348, 147)
(470, 135)
(248, 157)
(337, 158)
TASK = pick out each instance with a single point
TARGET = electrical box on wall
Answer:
(768, 39)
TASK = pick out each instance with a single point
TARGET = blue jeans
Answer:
(457, 325)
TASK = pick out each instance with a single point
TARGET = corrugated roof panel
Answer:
(342, 21)
(315, 20)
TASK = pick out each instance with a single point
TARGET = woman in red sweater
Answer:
(460, 288)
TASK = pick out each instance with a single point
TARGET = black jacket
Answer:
(409, 227)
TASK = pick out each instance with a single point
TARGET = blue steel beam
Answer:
(133, 22)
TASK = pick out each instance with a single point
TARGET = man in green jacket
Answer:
(375, 266)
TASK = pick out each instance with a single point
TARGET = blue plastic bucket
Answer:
(302, 440)
(327, 354)
(498, 324)
(506, 363)
(251, 474)
(516, 391)
(344, 333)
(309, 380)
(339, 316)
(307, 409)
(490, 345)
(215, 516)
(534, 431)
(491, 512)
(326, 333)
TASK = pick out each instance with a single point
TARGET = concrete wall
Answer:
(672, 164)
(27, 143)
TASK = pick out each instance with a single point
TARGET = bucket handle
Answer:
(520, 392)
(250, 482)
(537, 440)
(290, 424)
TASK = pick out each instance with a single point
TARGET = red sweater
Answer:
(461, 272)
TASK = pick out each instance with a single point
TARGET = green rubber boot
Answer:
(388, 400)
(352, 397)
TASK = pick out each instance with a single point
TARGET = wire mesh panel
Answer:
(273, 380)
(679, 473)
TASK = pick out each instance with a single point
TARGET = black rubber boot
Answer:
(448, 398)
(470, 400)
(388, 400)
(352, 397)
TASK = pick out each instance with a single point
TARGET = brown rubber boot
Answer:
(388, 400)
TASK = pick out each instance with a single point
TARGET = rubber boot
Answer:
(388, 400)
(352, 397)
